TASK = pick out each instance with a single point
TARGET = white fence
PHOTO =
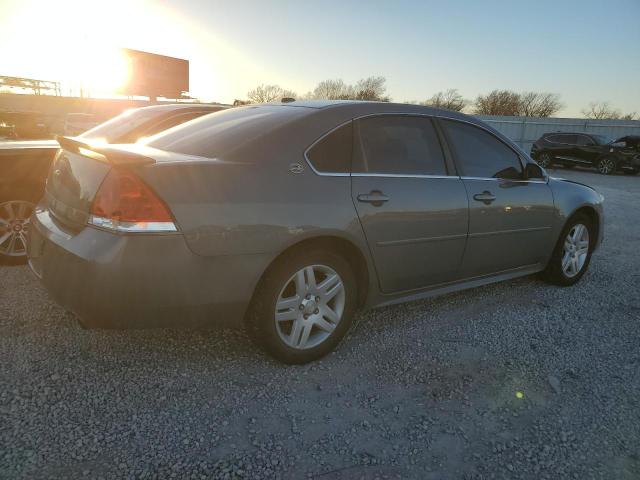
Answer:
(526, 130)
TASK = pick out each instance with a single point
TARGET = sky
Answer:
(585, 51)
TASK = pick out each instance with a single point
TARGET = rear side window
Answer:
(481, 154)
(332, 154)
(401, 144)
(584, 141)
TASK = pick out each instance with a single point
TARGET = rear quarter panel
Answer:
(250, 202)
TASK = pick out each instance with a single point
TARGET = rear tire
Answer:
(571, 256)
(606, 165)
(303, 306)
(14, 224)
(544, 160)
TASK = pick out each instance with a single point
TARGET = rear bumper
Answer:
(140, 281)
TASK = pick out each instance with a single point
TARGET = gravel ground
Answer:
(423, 390)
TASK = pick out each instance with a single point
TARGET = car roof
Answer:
(179, 106)
(357, 108)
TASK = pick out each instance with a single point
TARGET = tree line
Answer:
(496, 102)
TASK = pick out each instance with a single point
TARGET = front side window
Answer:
(398, 144)
(332, 154)
(481, 154)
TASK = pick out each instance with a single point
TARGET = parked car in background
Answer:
(77, 123)
(24, 165)
(286, 218)
(587, 150)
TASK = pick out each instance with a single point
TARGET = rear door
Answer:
(586, 150)
(413, 209)
(510, 218)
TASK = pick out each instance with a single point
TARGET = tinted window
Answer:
(333, 152)
(563, 139)
(398, 145)
(215, 134)
(584, 141)
(172, 121)
(481, 154)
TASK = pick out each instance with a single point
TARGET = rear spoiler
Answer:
(103, 153)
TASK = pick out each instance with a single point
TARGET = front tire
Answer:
(572, 254)
(303, 306)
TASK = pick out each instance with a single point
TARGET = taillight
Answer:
(126, 204)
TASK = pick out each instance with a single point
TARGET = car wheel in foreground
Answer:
(572, 254)
(606, 165)
(544, 160)
(14, 224)
(303, 306)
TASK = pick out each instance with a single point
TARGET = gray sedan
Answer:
(287, 218)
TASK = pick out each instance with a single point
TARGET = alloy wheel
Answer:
(14, 224)
(310, 306)
(606, 166)
(576, 250)
(545, 160)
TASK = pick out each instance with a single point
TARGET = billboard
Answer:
(152, 75)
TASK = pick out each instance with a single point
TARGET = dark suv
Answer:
(586, 149)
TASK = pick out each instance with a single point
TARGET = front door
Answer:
(413, 212)
(510, 217)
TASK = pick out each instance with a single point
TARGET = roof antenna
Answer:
(287, 99)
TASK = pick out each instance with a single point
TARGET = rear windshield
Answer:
(111, 130)
(212, 135)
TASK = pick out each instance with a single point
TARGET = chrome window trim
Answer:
(494, 179)
(403, 175)
(391, 175)
(318, 140)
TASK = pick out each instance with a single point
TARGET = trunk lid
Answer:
(76, 174)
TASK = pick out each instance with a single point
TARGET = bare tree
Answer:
(268, 93)
(600, 110)
(604, 111)
(331, 90)
(371, 88)
(529, 104)
(534, 104)
(449, 100)
(498, 102)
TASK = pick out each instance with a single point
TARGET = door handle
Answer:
(375, 198)
(486, 197)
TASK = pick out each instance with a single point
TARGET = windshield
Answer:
(602, 139)
(111, 130)
(212, 135)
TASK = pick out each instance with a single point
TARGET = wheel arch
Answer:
(592, 214)
(337, 244)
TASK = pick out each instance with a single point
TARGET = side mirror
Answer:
(533, 171)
